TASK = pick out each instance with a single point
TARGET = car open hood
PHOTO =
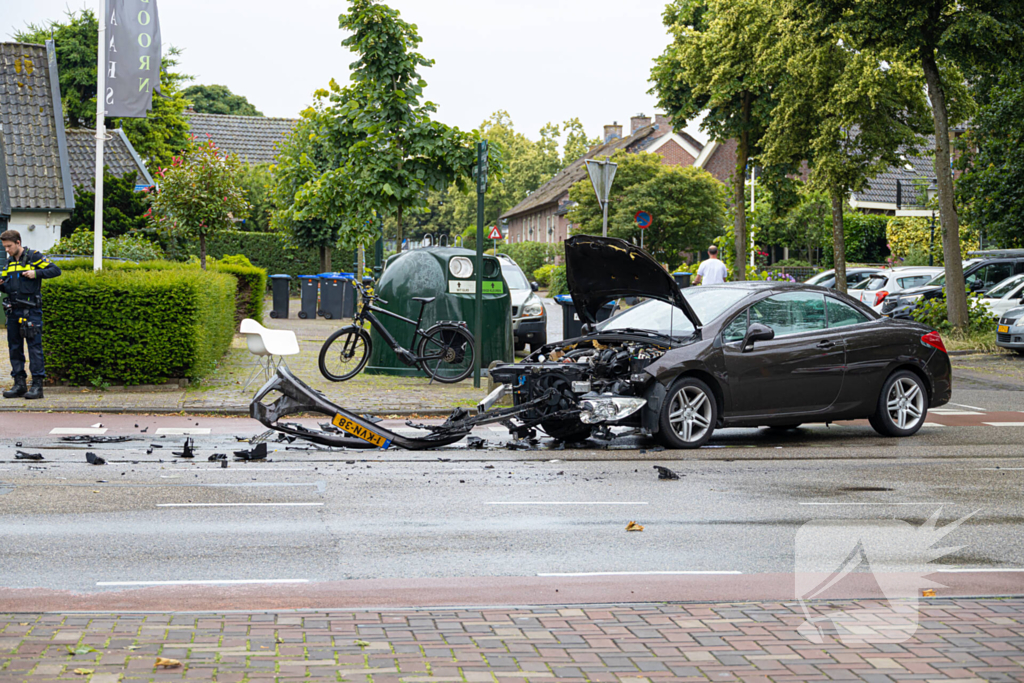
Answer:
(599, 269)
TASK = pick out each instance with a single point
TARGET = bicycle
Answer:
(445, 352)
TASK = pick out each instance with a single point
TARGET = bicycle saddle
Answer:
(424, 299)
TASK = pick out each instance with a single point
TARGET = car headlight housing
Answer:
(460, 267)
(609, 408)
(533, 308)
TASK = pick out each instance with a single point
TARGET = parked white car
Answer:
(878, 286)
(1006, 295)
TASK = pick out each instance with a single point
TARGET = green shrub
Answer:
(559, 285)
(531, 255)
(543, 275)
(932, 312)
(135, 247)
(275, 252)
(137, 325)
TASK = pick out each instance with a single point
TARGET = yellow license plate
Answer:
(1004, 328)
(359, 431)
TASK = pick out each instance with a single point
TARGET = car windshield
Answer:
(514, 277)
(937, 281)
(657, 316)
(1005, 287)
(821, 277)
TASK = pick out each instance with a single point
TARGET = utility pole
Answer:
(481, 187)
(101, 132)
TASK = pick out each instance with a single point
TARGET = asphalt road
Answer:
(500, 520)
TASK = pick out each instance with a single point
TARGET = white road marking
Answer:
(530, 502)
(181, 431)
(999, 468)
(219, 582)
(966, 570)
(921, 503)
(250, 469)
(234, 505)
(1004, 424)
(78, 430)
(961, 405)
(932, 424)
(940, 411)
(677, 573)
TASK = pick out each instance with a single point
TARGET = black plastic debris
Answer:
(224, 464)
(95, 438)
(156, 445)
(188, 451)
(257, 452)
(475, 442)
(94, 459)
(144, 429)
(218, 456)
(665, 473)
(22, 455)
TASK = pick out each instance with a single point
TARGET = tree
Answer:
(687, 204)
(945, 37)
(710, 68)
(257, 187)
(851, 113)
(124, 209)
(200, 192)
(393, 151)
(218, 99)
(991, 190)
(576, 141)
(159, 136)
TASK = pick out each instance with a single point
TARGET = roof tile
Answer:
(252, 138)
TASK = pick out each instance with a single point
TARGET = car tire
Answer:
(1020, 352)
(519, 346)
(902, 405)
(690, 404)
(568, 429)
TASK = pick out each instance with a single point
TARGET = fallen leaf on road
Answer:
(84, 672)
(133, 647)
(633, 526)
(361, 643)
(928, 593)
(167, 663)
(81, 650)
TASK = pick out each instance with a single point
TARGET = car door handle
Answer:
(825, 344)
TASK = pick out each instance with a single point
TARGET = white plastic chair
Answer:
(269, 346)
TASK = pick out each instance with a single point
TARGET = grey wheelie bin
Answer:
(310, 288)
(279, 285)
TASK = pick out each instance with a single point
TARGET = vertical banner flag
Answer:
(133, 57)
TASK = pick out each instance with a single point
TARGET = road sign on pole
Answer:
(495, 233)
(643, 221)
(602, 174)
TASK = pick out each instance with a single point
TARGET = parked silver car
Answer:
(529, 319)
(1010, 330)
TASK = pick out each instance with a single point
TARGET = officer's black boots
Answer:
(37, 389)
(18, 390)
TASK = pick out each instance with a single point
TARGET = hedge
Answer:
(136, 325)
(532, 255)
(250, 278)
(907, 233)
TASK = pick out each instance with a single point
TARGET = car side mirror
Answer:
(535, 286)
(977, 286)
(757, 332)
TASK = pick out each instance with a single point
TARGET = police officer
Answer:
(21, 279)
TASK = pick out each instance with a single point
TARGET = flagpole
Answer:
(101, 87)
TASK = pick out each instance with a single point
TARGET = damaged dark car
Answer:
(747, 354)
(677, 366)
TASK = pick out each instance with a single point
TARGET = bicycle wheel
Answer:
(446, 353)
(345, 353)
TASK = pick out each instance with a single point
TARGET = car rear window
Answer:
(877, 283)
(914, 281)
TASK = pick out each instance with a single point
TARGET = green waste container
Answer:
(441, 272)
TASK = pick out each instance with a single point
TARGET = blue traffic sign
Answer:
(643, 219)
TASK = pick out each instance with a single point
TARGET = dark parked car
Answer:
(742, 354)
(980, 275)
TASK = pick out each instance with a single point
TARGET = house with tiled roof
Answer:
(119, 157)
(36, 190)
(252, 138)
(541, 217)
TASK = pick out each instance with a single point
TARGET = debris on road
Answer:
(94, 459)
(83, 672)
(167, 663)
(189, 451)
(665, 473)
(633, 526)
(257, 452)
(218, 456)
(96, 438)
(22, 455)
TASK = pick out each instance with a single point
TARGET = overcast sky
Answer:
(540, 60)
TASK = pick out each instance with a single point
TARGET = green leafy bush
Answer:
(932, 312)
(134, 247)
(273, 251)
(559, 285)
(543, 275)
(531, 255)
(137, 324)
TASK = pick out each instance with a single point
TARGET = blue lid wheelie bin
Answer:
(572, 326)
(279, 286)
(331, 295)
(310, 288)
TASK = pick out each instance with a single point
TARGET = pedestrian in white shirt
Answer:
(712, 271)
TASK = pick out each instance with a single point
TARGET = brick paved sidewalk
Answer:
(957, 640)
(223, 391)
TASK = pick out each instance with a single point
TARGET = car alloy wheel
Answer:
(902, 405)
(688, 415)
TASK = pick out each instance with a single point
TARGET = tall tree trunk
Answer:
(360, 263)
(740, 207)
(399, 231)
(956, 292)
(838, 240)
(325, 259)
(202, 251)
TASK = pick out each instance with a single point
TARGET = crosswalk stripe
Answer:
(181, 431)
(78, 430)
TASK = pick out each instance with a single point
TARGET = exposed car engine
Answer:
(588, 381)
